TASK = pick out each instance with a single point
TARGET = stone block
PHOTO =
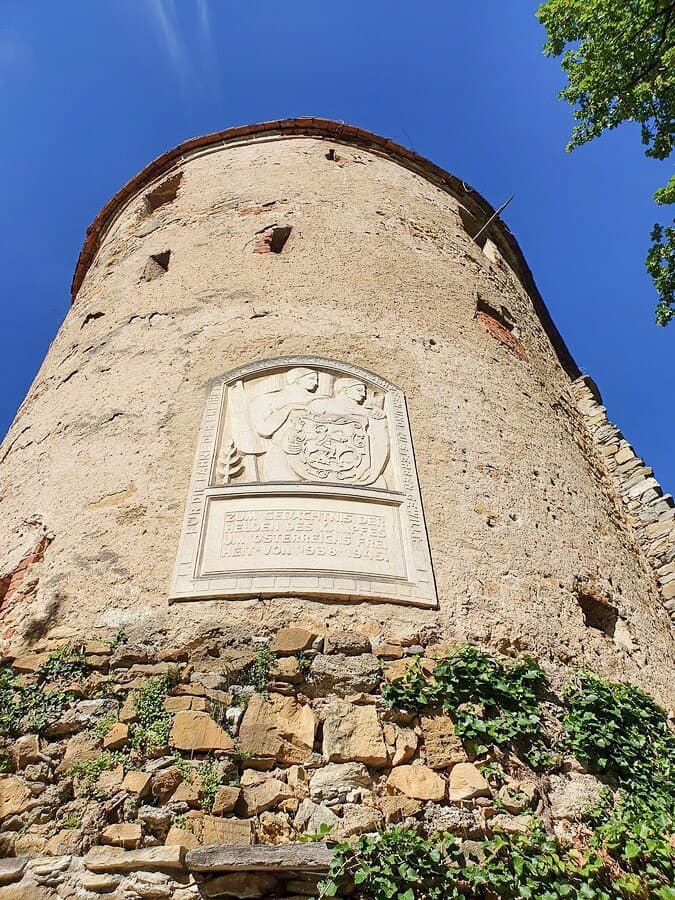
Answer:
(277, 727)
(342, 674)
(15, 796)
(225, 800)
(353, 733)
(11, 870)
(442, 747)
(245, 885)
(149, 859)
(292, 640)
(266, 795)
(466, 783)
(335, 781)
(123, 834)
(416, 782)
(196, 731)
(138, 783)
(117, 737)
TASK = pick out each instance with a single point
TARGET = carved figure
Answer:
(270, 416)
(298, 436)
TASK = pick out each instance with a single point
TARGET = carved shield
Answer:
(324, 447)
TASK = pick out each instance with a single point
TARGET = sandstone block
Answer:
(30, 662)
(266, 795)
(359, 819)
(277, 727)
(124, 834)
(165, 782)
(291, 859)
(287, 668)
(241, 884)
(148, 859)
(401, 743)
(15, 796)
(99, 884)
(342, 674)
(347, 641)
(26, 750)
(66, 840)
(511, 824)
(117, 737)
(466, 782)
(288, 641)
(353, 733)
(194, 730)
(188, 791)
(182, 837)
(442, 747)
(137, 783)
(176, 704)
(128, 710)
(110, 781)
(311, 816)
(80, 748)
(397, 807)
(416, 782)
(397, 668)
(11, 870)
(335, 781)
(226, 831)
(225, 800)
(298, 780)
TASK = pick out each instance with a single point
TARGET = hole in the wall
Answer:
(598, 613)
(279, 238)
(90, 318)
(157, 265)
(5, 582)
(501, 324)
(164, 193)
(472, 226)
(272, 239)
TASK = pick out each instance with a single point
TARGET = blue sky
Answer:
(92, 91)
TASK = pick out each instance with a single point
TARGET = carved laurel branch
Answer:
(230, 463)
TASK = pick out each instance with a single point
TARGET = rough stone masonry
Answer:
(548, 535)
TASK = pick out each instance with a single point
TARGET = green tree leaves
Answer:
(619, 58)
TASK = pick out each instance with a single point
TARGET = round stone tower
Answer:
(307, 421)
(309, 238)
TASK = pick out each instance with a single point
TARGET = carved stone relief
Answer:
(304, 484)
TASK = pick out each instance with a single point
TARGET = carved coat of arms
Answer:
(297, 431)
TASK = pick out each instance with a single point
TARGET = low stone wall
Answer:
(650, 511)
(137, 758)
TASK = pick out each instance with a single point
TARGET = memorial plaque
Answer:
(304, 484)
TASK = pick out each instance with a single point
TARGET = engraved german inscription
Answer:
(304, 483)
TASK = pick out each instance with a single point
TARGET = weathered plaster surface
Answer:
(378, 271)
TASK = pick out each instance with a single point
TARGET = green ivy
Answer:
(150, 731)
(617, 731)
(396, 863)
(257, 673)
(89, 771)
(64, 664)
(32, 707)
(209, 775)
(489, 703)
(620, 733)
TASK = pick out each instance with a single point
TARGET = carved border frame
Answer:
(187, 585)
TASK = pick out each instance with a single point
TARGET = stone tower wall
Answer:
(379, 270)
(149, 730)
